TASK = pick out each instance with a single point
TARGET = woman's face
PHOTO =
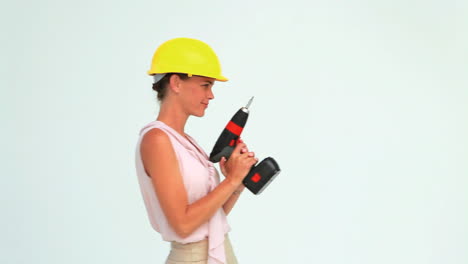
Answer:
(196, 94)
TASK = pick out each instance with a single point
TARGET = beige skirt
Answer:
(197, 252)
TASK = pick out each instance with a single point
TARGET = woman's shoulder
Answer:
(156, 146)
(155, 136)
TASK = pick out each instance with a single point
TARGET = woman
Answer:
(183, 195)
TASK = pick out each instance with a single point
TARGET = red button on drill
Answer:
(256, 177)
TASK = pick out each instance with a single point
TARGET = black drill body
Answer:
(228, 138)
(259, 175)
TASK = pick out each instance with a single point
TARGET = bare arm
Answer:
(161, 165)
(225, 170)
(227, 207)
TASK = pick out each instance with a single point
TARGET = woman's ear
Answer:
(174, 83)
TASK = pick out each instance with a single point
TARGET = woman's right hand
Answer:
(239, 164)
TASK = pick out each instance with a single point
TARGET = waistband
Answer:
(195, 251)
(198, 244)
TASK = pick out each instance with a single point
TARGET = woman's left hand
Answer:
(223, 160)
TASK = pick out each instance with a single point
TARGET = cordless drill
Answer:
(259, 176)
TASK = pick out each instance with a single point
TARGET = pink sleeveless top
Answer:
(200, 177)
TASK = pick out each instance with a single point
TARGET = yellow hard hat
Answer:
(186, 55)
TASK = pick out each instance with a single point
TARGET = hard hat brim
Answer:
(222, 79)
(217, 78)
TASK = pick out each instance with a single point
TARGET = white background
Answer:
(362, 103)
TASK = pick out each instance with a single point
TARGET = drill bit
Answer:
(250, 101)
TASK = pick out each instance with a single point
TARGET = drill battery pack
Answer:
(261, 175)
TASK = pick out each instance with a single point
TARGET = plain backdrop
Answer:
(362, 103)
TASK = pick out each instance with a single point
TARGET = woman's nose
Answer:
(210, 94)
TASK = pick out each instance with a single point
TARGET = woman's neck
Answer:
(173, 116)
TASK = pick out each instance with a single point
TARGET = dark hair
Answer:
(161, 86)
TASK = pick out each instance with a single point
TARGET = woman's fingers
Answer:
(248, 156)
(240, 146)
(252, 161)
(244, 149)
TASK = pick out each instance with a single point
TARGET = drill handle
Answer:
(225, 152)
